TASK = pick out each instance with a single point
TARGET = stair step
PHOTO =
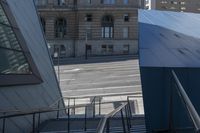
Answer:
(77, 125)
(134, 129)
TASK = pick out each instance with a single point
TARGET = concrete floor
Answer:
(109, 75)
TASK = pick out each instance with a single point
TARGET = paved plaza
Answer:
(109, 75)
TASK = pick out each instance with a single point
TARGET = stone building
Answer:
(92, 27)
(175, 5)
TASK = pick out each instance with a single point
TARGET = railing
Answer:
(105, 121)
(191, 111)
(37, 112)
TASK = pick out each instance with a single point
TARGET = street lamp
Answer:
(86, 45)
(57, 54)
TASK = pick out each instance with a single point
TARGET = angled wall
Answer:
(169, 41)
(32, 96)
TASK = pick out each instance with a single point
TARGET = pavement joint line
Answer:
(130, 80)
(103, 88)
(105, 67)
(133, 75)
(108, 94)
(62, 80)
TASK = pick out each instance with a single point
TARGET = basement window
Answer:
(16, 64)
(126, 17)
(88, 17)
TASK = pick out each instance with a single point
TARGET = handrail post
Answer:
(85, 124)
(94, 104)
(127, 120)
(129, 105)
(38, 122)
(68, 118)
(74, 106)
(58, 112)
(123, 122)
(99, 106)
(4, 124)
(129, 115)
(108, 125)
(33, 123)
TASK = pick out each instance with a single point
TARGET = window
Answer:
(17, 66)
(107, 27)
(106, 49)
(182, 2)
(89, 1)
(110, 48)
(163, 2)
(126, 17)
(43, 24)
(125, 32)
(125, 2)
(88, 33)
(60, 28)
(126, 49)
(88, 17)
(103, 49)
(108, 1)
(60, 2)
(183, 8)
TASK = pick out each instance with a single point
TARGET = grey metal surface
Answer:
(30, 96)
(169, 39)
(190, 107)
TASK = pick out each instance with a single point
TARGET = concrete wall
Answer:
(30, 96)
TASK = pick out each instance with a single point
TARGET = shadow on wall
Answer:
(97, 59)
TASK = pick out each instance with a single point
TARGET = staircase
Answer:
(77, 125)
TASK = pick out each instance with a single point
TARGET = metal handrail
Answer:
(189, 106)
(102, 124)
(52, 108)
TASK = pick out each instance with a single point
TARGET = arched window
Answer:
(107, 26)
(43, 24)
(59, 2)
(60, 27)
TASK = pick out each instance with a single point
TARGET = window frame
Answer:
(107, 27)
(126, 17)
(63, 27)
(88, 17)
(19, 79)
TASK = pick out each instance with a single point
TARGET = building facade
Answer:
(75, 28)
(175, 5)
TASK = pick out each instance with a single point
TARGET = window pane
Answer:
(107, 32)
(13, 62)
(7, 38)
(125, 32)
(3, 18)
(125, 1)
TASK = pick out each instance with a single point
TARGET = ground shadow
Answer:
(96, 59)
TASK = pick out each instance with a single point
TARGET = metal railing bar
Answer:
(103, 121)
(44, 110)
(79, 97)
(190, 107)
(4, 125)
(127, 119)
(123, 122)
